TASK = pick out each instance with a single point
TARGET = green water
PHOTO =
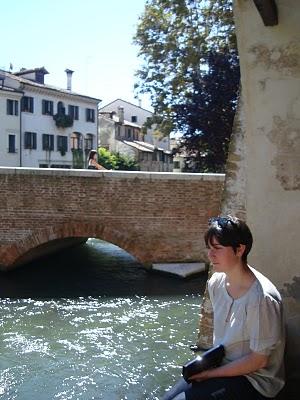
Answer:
(90, 323)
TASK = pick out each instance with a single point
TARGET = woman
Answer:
(248, 321)
(92, 161)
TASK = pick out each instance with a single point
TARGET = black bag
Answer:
(210, 359)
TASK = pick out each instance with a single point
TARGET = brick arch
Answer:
(156, 217)
(125, 239)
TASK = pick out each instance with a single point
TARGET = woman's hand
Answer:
(202, 376)
(242, 366)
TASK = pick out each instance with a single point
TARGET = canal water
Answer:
(91, 323)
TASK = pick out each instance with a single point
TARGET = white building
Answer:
(120, 131)
(179, 158)
(44, 126)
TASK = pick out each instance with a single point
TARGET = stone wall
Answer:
(270, 76)
(262, 181)
(157, 217)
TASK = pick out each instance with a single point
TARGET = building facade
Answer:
(120, 131)
(44, 126)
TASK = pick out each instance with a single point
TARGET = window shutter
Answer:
(23, 104)
(26, 140)
(65, 143)
(45, 142)
(11, 143)
(43, 107)
(16, 107)
(87, 114)
(76, 112)
(34, 140)
(51, 107)
(31, 107)
(7, 107)
(51, 137)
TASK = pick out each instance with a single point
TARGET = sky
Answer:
(94, 38)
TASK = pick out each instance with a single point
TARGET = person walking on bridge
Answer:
(92, 161)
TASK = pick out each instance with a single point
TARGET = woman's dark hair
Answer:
(91, 154)
(229, 231)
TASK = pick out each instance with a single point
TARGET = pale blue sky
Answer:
(91, 37)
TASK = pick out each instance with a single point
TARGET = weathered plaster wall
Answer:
(233, 202)
(233, 199)
(270, 75)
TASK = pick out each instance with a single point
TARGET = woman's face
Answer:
(95, 157)
(223, 258)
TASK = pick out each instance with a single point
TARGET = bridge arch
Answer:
(156, 217)
(53, 238)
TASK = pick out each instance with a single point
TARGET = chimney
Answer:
(140, 103)
(69, 73)
(121, 114)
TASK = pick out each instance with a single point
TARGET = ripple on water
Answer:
(126, 344)
(94, 348)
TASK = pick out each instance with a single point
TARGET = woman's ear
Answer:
(240, 250)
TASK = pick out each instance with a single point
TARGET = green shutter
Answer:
(34, 140)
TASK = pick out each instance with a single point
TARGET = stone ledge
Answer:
(111, 174)
(183, 270)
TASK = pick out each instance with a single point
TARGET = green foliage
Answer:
(179, 41)
(63, 120)
(78, 161)
(116, 161)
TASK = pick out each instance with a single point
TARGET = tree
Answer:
(116, 161)
(189, 53)
(207, 115)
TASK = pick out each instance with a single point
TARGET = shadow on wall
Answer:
(95, 268)
(291, 296)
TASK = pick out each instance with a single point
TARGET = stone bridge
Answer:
(156, 217)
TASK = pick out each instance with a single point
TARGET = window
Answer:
(43, 165)
(88, 142)
(90, 115)
(62, 144)
(60, 166)
(119, 131)
(176, 165)
(73, 111)
(133, 118)
(30, 140)
(76, 141)
(12, 107)
(47, 107)
(61, 108)
(27, 104)
(48, 142)
(129, 133)
(135, 134)
(12, 143)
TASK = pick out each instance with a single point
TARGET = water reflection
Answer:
(91, 323)
(96, 268)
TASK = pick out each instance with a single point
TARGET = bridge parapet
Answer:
(157, 217)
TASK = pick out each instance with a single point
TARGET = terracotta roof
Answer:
(144, 146)
(152, 147)
(115, 118)
(128, 102)
(29, 71)
(138, 146)
(48, 87)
